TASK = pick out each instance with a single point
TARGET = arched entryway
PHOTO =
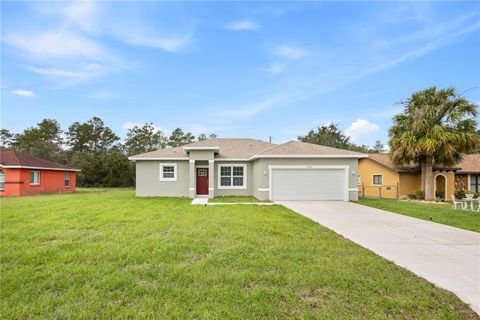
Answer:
(440, 186)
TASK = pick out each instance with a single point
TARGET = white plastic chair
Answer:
(455, 202)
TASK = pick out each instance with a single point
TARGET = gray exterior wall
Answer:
(148, 182)
(261, 172)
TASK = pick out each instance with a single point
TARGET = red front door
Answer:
(202, 181)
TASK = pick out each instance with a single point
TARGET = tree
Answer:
(93, 148)
(378, 147)
(212, 136)
(144, 139)
(435, 127)
(202, 137)
(44, 140)
(178, 138)
(6, 139)
(331, 136)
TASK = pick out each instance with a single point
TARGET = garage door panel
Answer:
(308, 184)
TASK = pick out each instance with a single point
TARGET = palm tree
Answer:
(435, 127)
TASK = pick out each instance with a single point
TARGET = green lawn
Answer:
(236, 199)
(440, 213)
(109, 255)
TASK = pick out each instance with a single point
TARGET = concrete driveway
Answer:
(446, 256)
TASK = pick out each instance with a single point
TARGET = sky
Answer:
(236, 69)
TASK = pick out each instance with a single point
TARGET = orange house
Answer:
(23, 174)
(379, 177)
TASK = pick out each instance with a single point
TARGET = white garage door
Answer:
(308, 184)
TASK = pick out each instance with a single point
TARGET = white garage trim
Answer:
(309, 167)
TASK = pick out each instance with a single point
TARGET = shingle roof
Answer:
(470, 163)
(230, 148)
(302, 148)
(233, 148)
(11, 158)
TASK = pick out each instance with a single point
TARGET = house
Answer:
(379, 177)
(23, 174)
(247, 167)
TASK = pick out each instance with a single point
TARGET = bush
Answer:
(411, 196)
(440, 194)
(420, 195)
(475, 194)
(404, 197)
(459, 194)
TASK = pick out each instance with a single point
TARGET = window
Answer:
(168, 172)
(34, 177)
(67, 179)
(474, 182)
(2, 180)
(359, 179)
(377, 179)
(232, 177)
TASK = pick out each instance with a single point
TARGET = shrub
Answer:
(440, 194)
(404, 197)
(411, 196)
(420, 195)
(459, 194)
(475, 194)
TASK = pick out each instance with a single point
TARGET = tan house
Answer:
(247, 167)
(379, 177)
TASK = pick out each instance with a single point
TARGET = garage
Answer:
(309, 183)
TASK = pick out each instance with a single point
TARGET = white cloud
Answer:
(243, 25)
(359, 128)
(23, 93)
(129, 125)
(275, 69)
(67, 77)
(290, 52)
(170, 43)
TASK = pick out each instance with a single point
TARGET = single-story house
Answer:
(378, 176)
(247, 167)
(23, 174)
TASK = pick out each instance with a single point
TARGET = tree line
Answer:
(94, 148)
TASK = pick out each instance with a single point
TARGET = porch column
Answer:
(211, 178)
(191, 185)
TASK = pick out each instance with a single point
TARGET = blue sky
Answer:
(235, 69)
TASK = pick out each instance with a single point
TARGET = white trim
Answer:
(233, 159)
(445, 197)
(36, 168)
(39, 178)
(191, 161)
(232, 165)
(174, 165)
(191, 189)
(308, 156)
(211, 161)
(156, 158)
(200, 148)
(352, 189)
(373, 180)
(263, 189)
(345, 168)
(211, 189)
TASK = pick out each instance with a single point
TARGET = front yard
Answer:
(440, 213)
(107, 254)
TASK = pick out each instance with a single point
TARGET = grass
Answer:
(464, 219)
(231, 199)
(106, 254)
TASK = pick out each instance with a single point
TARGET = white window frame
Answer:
(69, 179)
(39, 178)
(373, 180)
(2, 173)
(174, 165)
(231, 165)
